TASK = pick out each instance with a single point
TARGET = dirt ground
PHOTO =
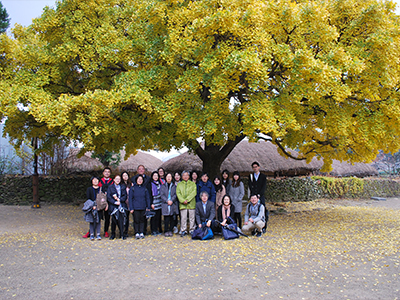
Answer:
(327, 249)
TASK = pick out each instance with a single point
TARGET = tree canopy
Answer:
(321, 77)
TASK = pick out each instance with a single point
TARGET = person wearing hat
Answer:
(205, 185)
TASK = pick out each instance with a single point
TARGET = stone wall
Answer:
(17, 190)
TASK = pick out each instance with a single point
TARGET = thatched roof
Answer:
(86, 163)
(82, 164)
(150, 162)
(271, 162)
(345, 169)
(240, 159)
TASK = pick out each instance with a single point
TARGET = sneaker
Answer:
(86, 235)
(259, 234)
(154, 233)
(92, 237)
(191, 232)
(112, 237)
(254, 232)
(166, 234)
(264, 230)
(106, 234)
(98, 237)
(142, 236)
(137, 236)
(183, 233)
(175, 230)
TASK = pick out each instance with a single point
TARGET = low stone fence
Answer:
(17, 190)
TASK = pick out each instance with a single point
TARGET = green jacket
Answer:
(186, 191)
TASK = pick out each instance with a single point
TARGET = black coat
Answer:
(139, 198)
(203, 217)
(257, 187)
(219, 213)
(112, 190)
(91, 194)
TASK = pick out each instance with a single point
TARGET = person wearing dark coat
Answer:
(169, 206)
(139, 203)
(257, 186)
(205, 185)
(91, 194)
(146, 183)
(225, 213)
(225, 180)
(116, 197)
(205, 210)
(156, 204)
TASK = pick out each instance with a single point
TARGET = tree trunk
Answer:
(213, 156)
(35, 176)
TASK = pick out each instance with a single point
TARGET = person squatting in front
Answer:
(254, 217)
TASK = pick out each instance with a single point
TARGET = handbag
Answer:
(230, 234)
(202, 233)
(101, 201)
(150, 214)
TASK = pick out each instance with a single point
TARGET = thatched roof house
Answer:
(83, 164)
(87, 164)
(240, 159)
(150, 162)
(345, 169)
(271, 162)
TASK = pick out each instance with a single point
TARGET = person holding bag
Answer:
(116, 196)
(91, 194)
(169, 204)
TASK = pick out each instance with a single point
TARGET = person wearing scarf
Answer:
(116, 197)
(156, 203)
(225, 212)
(220, 192)
(169, 204)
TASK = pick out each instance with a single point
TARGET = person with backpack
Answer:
(254, 218)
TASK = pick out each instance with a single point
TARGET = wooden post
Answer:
(35, 176)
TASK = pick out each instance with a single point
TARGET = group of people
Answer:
(193, 199)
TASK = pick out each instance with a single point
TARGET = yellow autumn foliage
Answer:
(318, 76)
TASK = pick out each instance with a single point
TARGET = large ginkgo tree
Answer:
(321, 77)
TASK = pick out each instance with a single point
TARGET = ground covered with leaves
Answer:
(312, 250)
